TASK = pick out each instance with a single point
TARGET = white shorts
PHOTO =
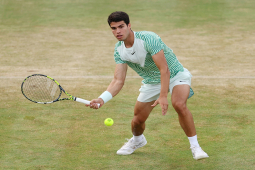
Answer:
(151, 92)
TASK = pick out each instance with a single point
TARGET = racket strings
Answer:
(41, 89)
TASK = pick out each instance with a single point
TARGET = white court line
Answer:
(131, 77)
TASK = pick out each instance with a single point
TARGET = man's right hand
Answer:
(94, 103)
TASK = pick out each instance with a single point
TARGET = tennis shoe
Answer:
(198, 153)
(129, 147)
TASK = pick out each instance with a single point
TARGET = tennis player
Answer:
(161, 71)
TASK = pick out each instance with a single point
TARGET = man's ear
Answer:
(129, 25)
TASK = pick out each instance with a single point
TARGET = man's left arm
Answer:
(161, 63)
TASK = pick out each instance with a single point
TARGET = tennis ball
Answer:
(108, 122)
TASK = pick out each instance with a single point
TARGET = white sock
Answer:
(193, 141)
(138, 138)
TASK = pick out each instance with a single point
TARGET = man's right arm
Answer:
(118, 80)
(114, 87)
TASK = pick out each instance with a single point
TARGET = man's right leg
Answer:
(141, 113)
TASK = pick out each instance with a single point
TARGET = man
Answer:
(161, 71)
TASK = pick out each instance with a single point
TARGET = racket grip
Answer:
(84, 101)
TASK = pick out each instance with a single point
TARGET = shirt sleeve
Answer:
(117, 58)
(153, 43)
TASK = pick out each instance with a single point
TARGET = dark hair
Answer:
(118, 16)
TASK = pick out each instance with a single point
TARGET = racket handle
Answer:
(84, 101)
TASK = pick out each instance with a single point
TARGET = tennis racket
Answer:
(43, 89)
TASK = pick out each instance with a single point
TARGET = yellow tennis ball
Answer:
(108, 122)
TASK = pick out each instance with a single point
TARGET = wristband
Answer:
(106, 96)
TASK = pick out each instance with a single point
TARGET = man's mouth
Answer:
(119, 36)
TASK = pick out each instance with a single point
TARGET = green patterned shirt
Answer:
(139, 56)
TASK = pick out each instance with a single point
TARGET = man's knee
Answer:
(141, 112)
(139, 117)
(180, 107)
(138, 120)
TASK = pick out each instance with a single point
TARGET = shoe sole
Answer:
(201, 157)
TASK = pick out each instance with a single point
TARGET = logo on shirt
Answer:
(133, 53)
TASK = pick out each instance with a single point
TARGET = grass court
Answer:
(70, 40)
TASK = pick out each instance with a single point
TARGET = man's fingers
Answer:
(155, 103)
(164, 109)
(93, 105)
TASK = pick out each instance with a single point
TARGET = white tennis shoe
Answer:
(129, 147)
(198, 153)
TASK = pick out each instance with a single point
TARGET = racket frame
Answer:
(61, 90)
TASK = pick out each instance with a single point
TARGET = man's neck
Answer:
(130, 39)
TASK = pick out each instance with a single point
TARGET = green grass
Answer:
(71, 38)
(29, 14)
(66, 135)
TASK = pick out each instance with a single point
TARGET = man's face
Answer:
(120, 30)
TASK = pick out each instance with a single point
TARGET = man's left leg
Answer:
(179, 98)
